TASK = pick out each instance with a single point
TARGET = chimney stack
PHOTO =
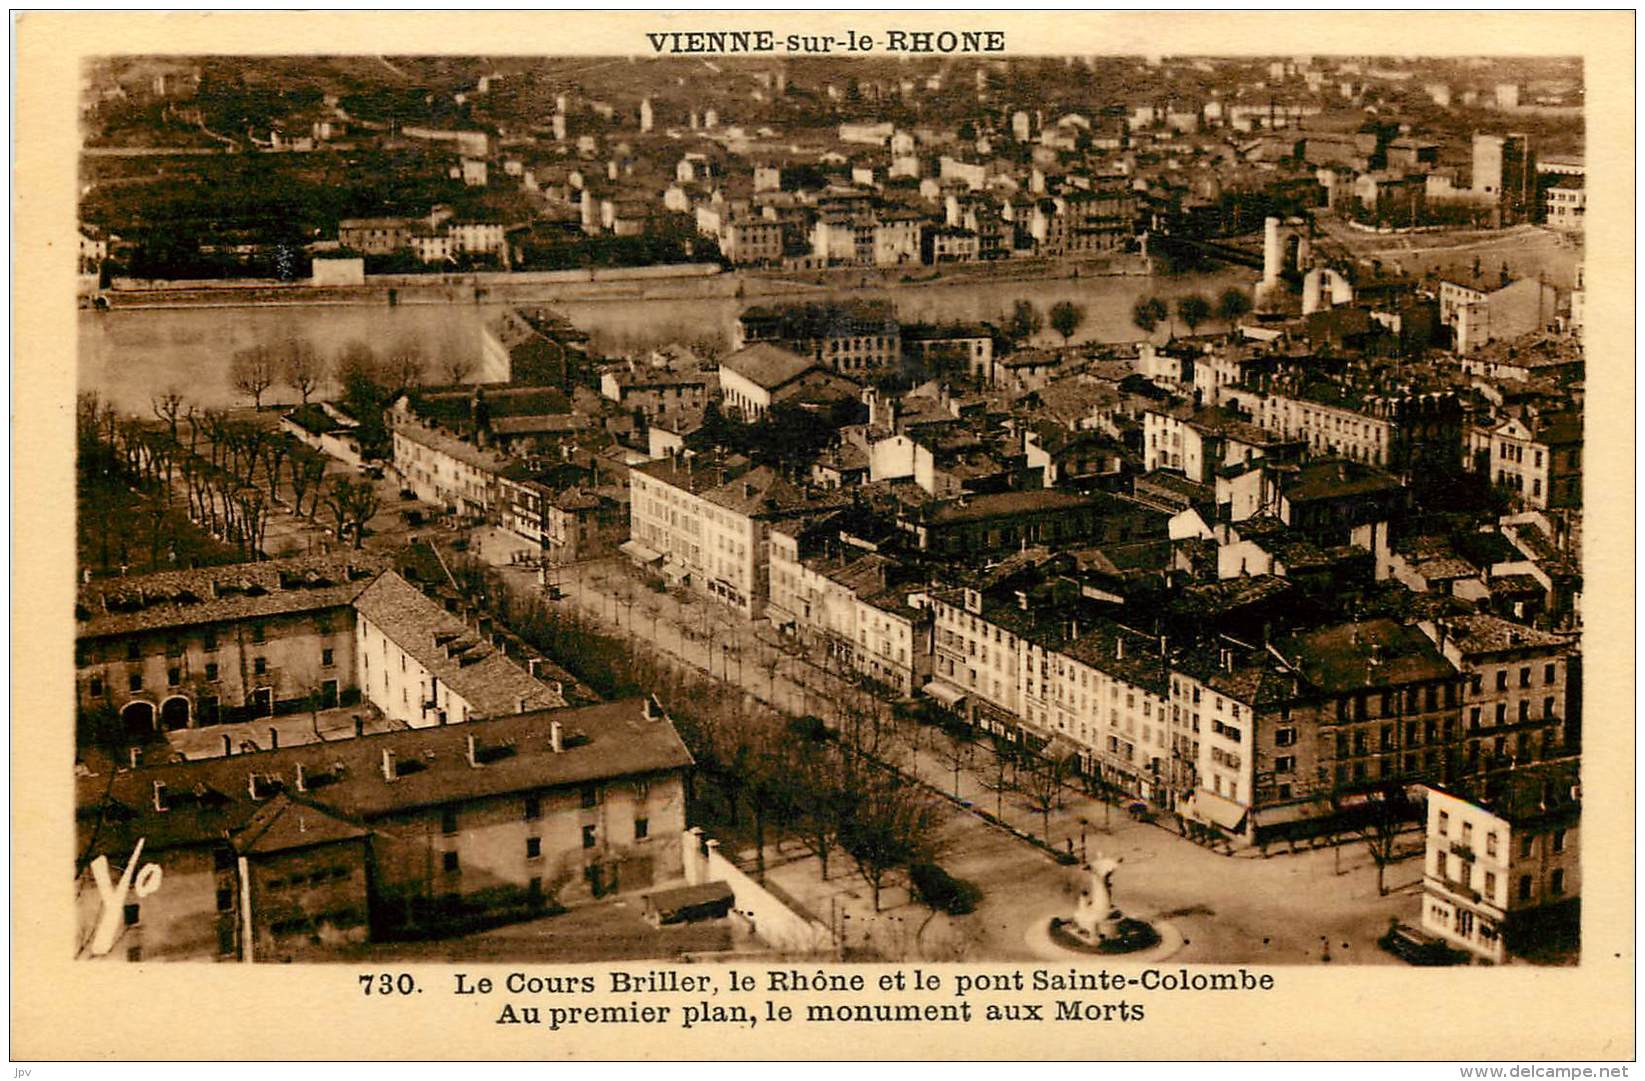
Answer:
(251, 786)
(228, 745)
(653, 708)
(554, 740)
(160, 795)
(136, 756)
(1119, 649)
(301, 784)
(359, 726)
(473, 749)
(273, 738)
(391, 771)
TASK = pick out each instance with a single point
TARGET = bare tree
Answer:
(304, 368)
(1380, 831)
(252, 371)
(457, 367)
(1041, 783)
(958, 752)
(891, 824)
(168, 407)
(308, 469)
(352, 505)
(406, 364)
(822, 799)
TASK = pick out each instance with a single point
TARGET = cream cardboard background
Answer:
(61, 1009)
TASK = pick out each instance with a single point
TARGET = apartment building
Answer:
(848, 337)
(445, 470)
(707, 523)
(1515, 695)
(853, 608)
(423, 666)
(186, 649)
(1502, 867)
(1538, 458)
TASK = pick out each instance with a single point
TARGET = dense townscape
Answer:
(842, 630)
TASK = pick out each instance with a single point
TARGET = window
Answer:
(1285, 764)
(1502, 679)
(588, 837)
(133, 914)
(136, 681)
(327, 657)
(211, 639)
(448, 821)
(225, 898)
(1490, 886)
(174, 676)
(96, 687)
(257, 633)
(1556, 883)
(533, 848)
(1444, 824)
(533, 807)
(1490, 843)
(1285, 737)
(1559, 840)
(1444, 865)
(1467, 833)
(448, 861)
(1548, 674)
(259, 665)
(1525, 676)
(133, 651)
(1524, 887)
(591, 796)
(211, 671)
(642, 828)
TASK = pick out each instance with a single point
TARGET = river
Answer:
(128, 354)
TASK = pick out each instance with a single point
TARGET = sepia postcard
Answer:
(803, 535)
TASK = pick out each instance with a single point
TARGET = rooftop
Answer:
(1373, 653)
(470, 667)
(1481, 634)
(210, 798)
(112, 606)
(768, 366)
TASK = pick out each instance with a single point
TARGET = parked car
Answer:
(1415, 948)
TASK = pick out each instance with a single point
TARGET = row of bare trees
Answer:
(296, 363)
(230, 472)
(834, 791)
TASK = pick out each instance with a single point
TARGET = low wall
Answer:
(772, 922)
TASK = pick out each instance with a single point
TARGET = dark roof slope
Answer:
(111, 606)
(210, 799)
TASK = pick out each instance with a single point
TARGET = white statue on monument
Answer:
(1095, 916)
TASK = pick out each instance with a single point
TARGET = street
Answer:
(1310, 906)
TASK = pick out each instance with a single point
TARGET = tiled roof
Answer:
(1476, 634)
(489, 682)
(768, 366)
(1373, 653)
(209, 799)
(449, 445)
(284, 823)
(111, 606)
